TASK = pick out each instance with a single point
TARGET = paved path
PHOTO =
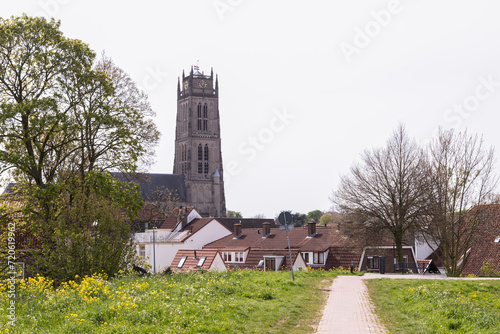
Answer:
(349, 309)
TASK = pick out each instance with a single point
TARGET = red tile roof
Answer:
(341, 250)
(192, 260)
(256, 255)
(325, 237)
(171, 221)
(484, 249)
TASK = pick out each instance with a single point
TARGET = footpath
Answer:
(349, 309)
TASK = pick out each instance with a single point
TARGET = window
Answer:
(238, 257)
(319, 258)
(181, 262)
(205, 117)
(306, 257)
(199, 116)
(270, 263)
(373, 262)
(200, 167)
(205, 170)
(205, 152)
(201, 261)
(200, 153)
(142, 251)
(227, 257)
(233, 257)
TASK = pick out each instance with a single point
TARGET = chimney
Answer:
(311, 229)
(267, 229)
(237, 230)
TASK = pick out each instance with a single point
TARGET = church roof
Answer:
(151, 183)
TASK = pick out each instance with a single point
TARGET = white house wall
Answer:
(422, 249)
(299, 263)
(218, 264)
(165, 251)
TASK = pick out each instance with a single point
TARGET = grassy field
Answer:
(437, 306)
(233, 302)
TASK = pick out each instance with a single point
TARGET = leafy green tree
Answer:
(326, 219)
(39, 70)
(84, 226)
(234, 214)
(314, 215)
(61, 111)
(299, 219)
(65, 119)
(116, 131)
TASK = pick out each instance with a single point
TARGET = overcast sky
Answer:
(305, 86)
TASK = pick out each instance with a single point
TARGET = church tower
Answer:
(197, 142)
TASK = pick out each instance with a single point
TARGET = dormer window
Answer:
(234, 257)
(497, 240)
(319, 258)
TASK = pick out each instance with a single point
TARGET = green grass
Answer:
(232, 302)
(437, 306)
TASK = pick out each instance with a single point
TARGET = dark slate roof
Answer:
(150, 183)
(246, 222)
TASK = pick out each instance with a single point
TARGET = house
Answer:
(186, 229)
(198, 259)
(274, 260)
(266, 248)
(483, 257)
(383, 259)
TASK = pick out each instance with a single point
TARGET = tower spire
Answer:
(179, 87)
(216, 85)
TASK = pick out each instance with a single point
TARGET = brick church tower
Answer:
(197, 142)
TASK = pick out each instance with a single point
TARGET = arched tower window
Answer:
(200, 159)
(199, 116)
(200, 153)
(205, 155)
(205, 117)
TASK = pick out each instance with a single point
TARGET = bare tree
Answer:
(386, 194)
(463, 183)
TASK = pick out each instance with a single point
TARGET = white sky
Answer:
(340, 74)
